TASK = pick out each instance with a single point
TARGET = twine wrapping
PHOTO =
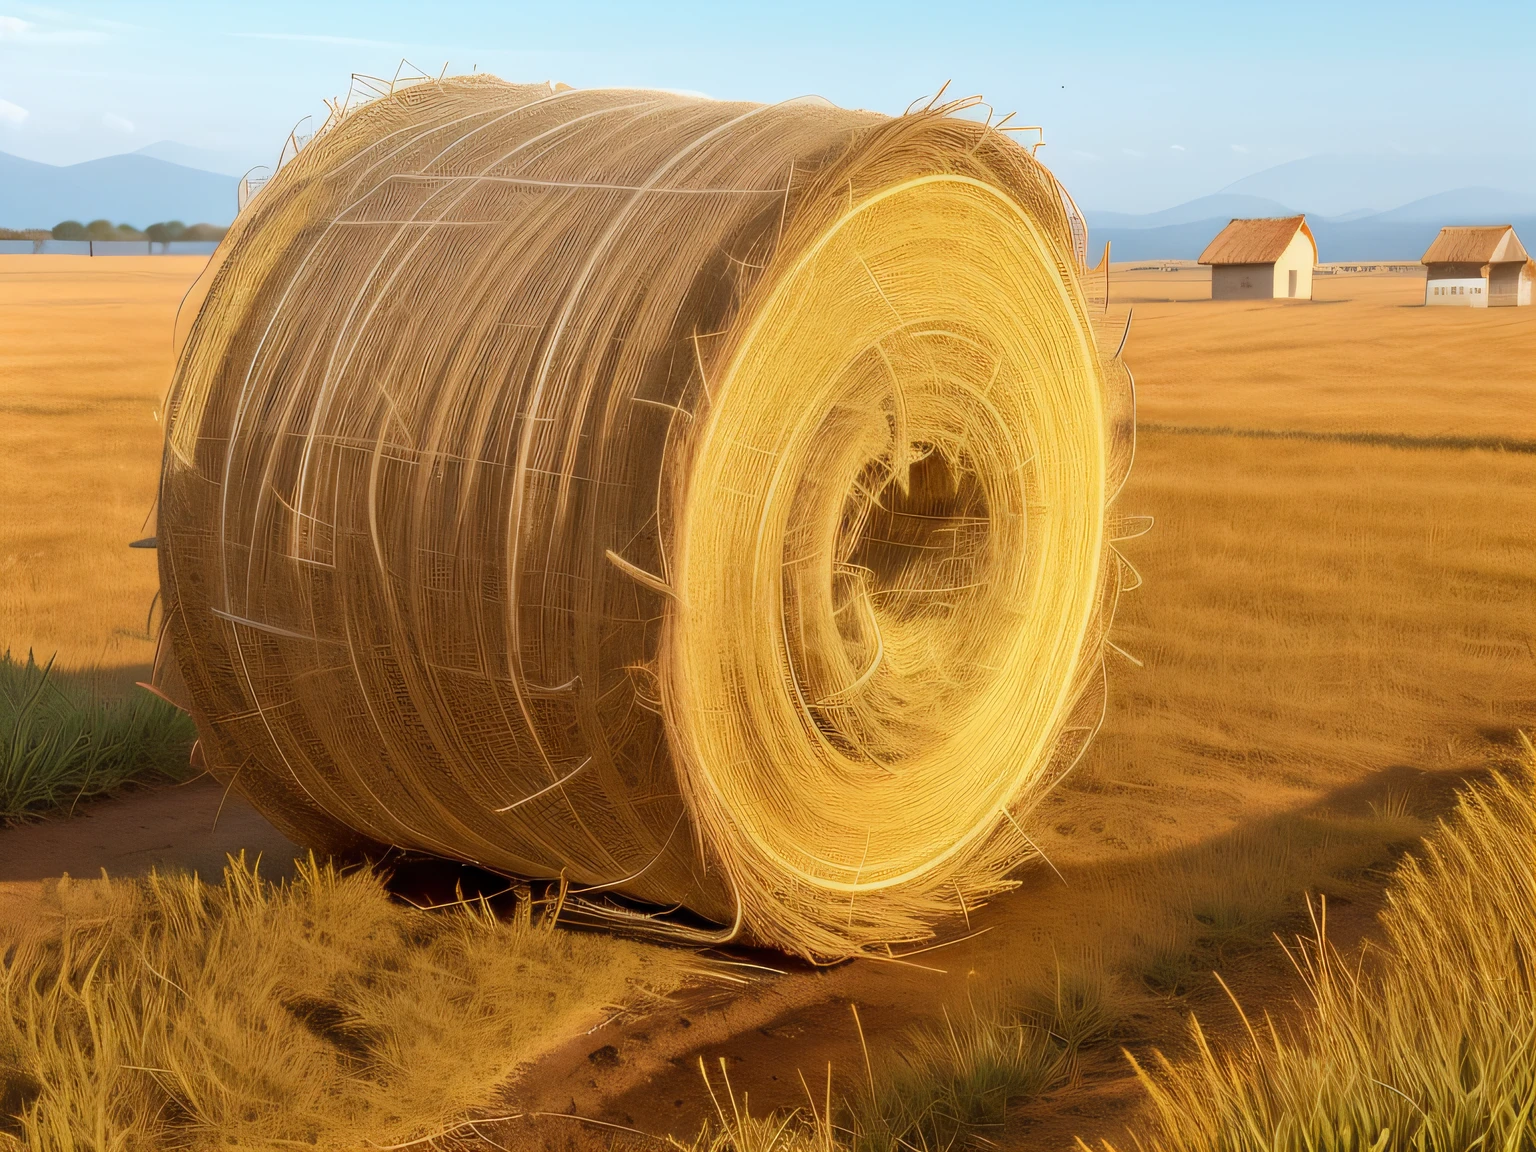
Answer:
(702, 503)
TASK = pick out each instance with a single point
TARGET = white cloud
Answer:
(118, 123)
(17, 30)
(12, 113)
(1177, 147)
(1238, 148)
(1133, 152)
(311, 38)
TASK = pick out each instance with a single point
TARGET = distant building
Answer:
(1268, 259)
(1478, 267)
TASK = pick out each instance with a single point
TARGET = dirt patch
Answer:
(180, 826)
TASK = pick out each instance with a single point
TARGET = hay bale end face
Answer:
(703, 502)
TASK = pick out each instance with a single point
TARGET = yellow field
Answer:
(1317, 616)
(85, 357)
(1363, 355)
(1312, 612)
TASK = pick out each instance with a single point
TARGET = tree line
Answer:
(163, 232)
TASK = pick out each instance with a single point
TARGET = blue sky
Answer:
(1144, 105)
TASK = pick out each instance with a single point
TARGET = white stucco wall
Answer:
(1461, 293)
(1298, 257)
(1508, 285)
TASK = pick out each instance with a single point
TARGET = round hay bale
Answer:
(702, 503)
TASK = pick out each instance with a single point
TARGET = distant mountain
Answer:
(1170, 242)
(1336, 185)
(1378, 239)
(1368, 239)
(1222, 206)
(206, 159)
(1182, 232)
(131, 189)
(1465, 206)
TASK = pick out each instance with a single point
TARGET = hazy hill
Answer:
(1403, 233)
(1335, 185)
(1224, 206)
(1465, 206)
(134, 188)
(1377, 239)
(207, 159)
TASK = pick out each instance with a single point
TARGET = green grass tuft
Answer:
(1082, 1007)
(953, 1081)
(949, 1085)
(61, 743)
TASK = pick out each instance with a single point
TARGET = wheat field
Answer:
(85, 356)
(1363, 356)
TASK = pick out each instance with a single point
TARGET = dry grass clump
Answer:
(948, 1084)
(811, 1129)
(955, 1079)
(169, 1012)
(1428, 1043)
(61, 742)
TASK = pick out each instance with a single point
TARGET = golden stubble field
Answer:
(1320, 622)
(1363, 355)
(85, 357)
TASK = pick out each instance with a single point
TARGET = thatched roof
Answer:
(1261, 241)
(1476, 244)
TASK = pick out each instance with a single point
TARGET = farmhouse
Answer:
(1266, 259)
(1478, 267)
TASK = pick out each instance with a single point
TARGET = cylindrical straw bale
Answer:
(702, 503)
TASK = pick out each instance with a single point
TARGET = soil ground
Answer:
(1323, 624)
(192, 826)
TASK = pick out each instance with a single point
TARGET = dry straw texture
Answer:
(701, 502)
(168, 1012)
